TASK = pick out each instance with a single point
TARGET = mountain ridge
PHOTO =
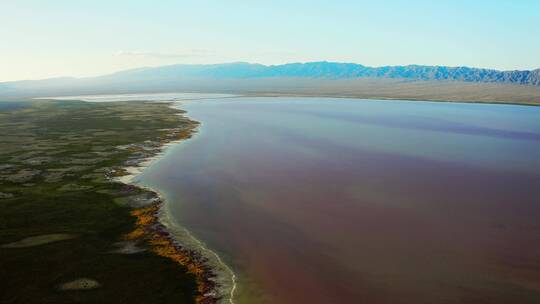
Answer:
(316, 69)
(336, 70)
(311, 78)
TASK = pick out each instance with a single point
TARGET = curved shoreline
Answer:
(216, 282)
(183, 235)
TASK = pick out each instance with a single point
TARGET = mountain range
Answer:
(332, 70)
(240, 77)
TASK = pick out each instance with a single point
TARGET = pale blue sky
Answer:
(49, 38)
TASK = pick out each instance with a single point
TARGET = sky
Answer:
(53, 38)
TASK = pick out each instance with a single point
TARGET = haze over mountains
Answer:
(243, 77)
(334, 70)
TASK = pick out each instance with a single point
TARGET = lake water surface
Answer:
(318, 200)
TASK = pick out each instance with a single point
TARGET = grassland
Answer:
(63, 221)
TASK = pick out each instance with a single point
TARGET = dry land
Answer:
(370, 88)
(64, 221)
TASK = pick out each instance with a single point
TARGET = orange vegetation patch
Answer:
(163, 245)
(185, 133)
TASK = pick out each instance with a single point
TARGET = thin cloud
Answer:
(165, 55)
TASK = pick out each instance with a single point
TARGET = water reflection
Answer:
(352, 201)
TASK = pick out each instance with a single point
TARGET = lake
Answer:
(320, 200)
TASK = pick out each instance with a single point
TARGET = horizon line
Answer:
(268, 65)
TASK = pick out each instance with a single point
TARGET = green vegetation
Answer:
(56, 200)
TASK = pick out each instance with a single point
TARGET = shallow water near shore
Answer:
(319, 200)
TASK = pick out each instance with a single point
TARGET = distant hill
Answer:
(332, 70)
(313, 78)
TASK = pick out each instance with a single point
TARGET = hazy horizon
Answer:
(62, 38)
(255, 63)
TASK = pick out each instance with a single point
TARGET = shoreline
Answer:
(216, 282)
(241, 94)
(383, 98)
